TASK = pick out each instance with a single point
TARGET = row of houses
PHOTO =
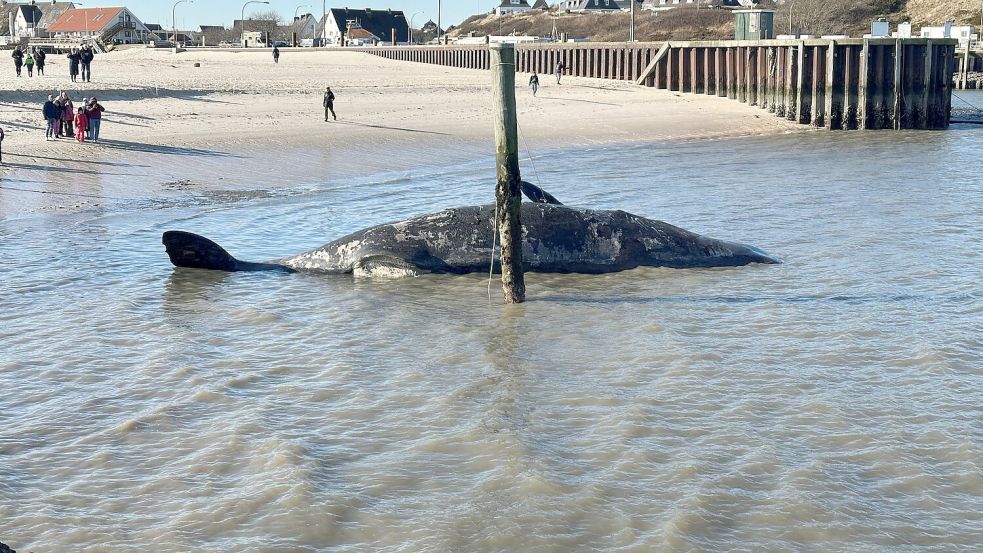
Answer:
(49, 19)
(508, 7)
(52, 19)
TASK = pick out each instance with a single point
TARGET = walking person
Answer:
(94, 113)
(29, 62)
(18, 56)
(329, 104)
(86, 56)
(1, 146)
(276, 54)
(50, 113)
(534, 83)
(39, 57)
(74, 58)
(81, 125)
(68, 114)
(559, 71)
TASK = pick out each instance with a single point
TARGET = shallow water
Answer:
(831, 403)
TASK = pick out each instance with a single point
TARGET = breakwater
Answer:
(836, 84)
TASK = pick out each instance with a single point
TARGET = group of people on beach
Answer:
(35, 58)
(64, 121)
(81, 57)
(534, 79)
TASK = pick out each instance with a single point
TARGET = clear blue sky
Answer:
(222, 12)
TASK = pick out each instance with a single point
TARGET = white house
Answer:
(29, 20)
(117, 25)
(962, 33)
(508, 7)
(383, 24)
(597, 6)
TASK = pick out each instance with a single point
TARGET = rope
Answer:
(975, 108)
(532, 163)
(491, 268)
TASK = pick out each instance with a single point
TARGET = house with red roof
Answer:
(113, 25)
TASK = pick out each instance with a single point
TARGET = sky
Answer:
(222, 12)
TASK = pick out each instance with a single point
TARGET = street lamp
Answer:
(242, 33)
(174, 20)
(631, 35)
(438, 22)
(790, 7)
(86, 19)
(411, 26)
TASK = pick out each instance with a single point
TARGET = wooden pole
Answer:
(508, 196)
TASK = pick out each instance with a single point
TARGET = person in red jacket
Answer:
(81, 125)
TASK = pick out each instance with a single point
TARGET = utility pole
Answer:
(439, 28)
(631, 35)
(508, 196)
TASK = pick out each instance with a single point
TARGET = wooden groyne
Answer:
(836, 84)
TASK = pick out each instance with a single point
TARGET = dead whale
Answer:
(556, 239)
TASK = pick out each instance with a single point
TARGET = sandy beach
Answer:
(239, 120)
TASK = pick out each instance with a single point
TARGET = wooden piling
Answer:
(837, 84)
(508, 195)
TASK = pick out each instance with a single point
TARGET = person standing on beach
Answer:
(534, 83)
(94, 113)
(29, 62)
(39, 56)
(74, 58)
(50, 112)
(276, 54)
(81, 125)
(68, 114)
(329, 104)
(559, 71)
(60, 113)
(18, 56)
(86, 56)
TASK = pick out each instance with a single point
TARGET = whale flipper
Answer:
(190, 250)
(537, 195)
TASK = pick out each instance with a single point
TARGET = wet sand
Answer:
(239, 120)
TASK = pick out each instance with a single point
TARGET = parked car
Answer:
(280, 44)
(225, 44)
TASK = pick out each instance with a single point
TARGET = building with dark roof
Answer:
(384, 24)
(508, 7)
(29, 20)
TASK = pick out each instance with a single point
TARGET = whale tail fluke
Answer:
(190, 250)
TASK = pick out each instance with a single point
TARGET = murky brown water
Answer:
(832, 403)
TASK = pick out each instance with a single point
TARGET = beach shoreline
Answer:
(239, 121)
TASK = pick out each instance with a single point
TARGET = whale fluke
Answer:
(537, 195)
(190, 250)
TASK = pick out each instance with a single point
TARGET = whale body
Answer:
(555, 239)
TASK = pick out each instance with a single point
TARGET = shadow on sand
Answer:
(83, 161)
(575, 100)
(161, 149)
(355, 124)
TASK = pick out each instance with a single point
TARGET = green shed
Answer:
(754, 24)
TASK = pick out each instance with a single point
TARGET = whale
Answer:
(555, 239)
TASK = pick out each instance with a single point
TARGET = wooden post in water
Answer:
(508, 196)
